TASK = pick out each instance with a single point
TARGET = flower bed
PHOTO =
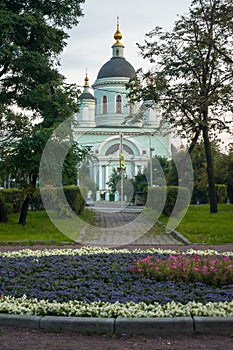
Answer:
(99, 283)
(212, 270)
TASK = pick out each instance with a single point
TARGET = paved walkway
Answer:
(115, 227)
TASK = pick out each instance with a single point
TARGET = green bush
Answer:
(221, 191)
(3, 211)
(156, 196)
(199, 197)
(36, 201)
(202, 197)
(13, 199)
(75, 197)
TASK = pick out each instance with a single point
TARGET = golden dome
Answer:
(118, 35)
(86, 80)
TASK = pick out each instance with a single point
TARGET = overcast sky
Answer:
(89, 45)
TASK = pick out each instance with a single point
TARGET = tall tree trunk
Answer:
(182, 164)
(3, 212)
(26, 203)
(210, 172)
(24, 210)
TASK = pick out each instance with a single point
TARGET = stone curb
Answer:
(175, 234)
(154, 326)
(164, 326)
(24, 321)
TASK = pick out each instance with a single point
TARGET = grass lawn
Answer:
(199, 226)
(38, 228)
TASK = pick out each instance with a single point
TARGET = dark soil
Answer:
(24, 339)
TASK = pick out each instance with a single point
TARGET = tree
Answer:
(31, 38)
(21, 160)
(224, 170)
(193, 75)
(114, 179)
(162, 171)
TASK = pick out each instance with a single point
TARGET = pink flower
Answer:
(196, 269)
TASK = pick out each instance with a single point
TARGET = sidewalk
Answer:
(113, 227)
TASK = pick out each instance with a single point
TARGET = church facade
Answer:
(101, 123)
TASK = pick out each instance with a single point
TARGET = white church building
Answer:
(101, 122)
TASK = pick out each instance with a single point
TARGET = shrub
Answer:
(221, 191)
(3, 212)
(75, 197)
(36, 201)
(156, 197)
(202, 197)
(199, 196)
(13, 199)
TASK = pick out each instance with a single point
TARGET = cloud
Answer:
(89, 45)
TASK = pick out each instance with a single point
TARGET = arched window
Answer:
(85, 113)
(105, 104)
(118, 104)
(117, 52)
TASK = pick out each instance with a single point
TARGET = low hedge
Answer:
(75, 197)
(202, 197)
(221, 192)
(3, 211)
(156, 196)
(12, 199)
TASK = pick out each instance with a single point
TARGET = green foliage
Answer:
(193, 79)
(114, 180)
(163, 171)
(84, 176)
(75, 197)
(13, 198)
(36, 203)
(32, 37)
(156, 195)
(3, 212)
(222, 168)
(221, 191)
(211, 270)
(171, 200)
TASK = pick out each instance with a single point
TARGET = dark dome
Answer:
(116, 67)
(87, 96)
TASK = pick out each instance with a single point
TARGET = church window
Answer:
(117, 52)
(104, 104)
(85, 113)
(118, 104)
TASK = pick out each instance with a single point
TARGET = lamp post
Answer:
(121, 170)
(151, 164)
